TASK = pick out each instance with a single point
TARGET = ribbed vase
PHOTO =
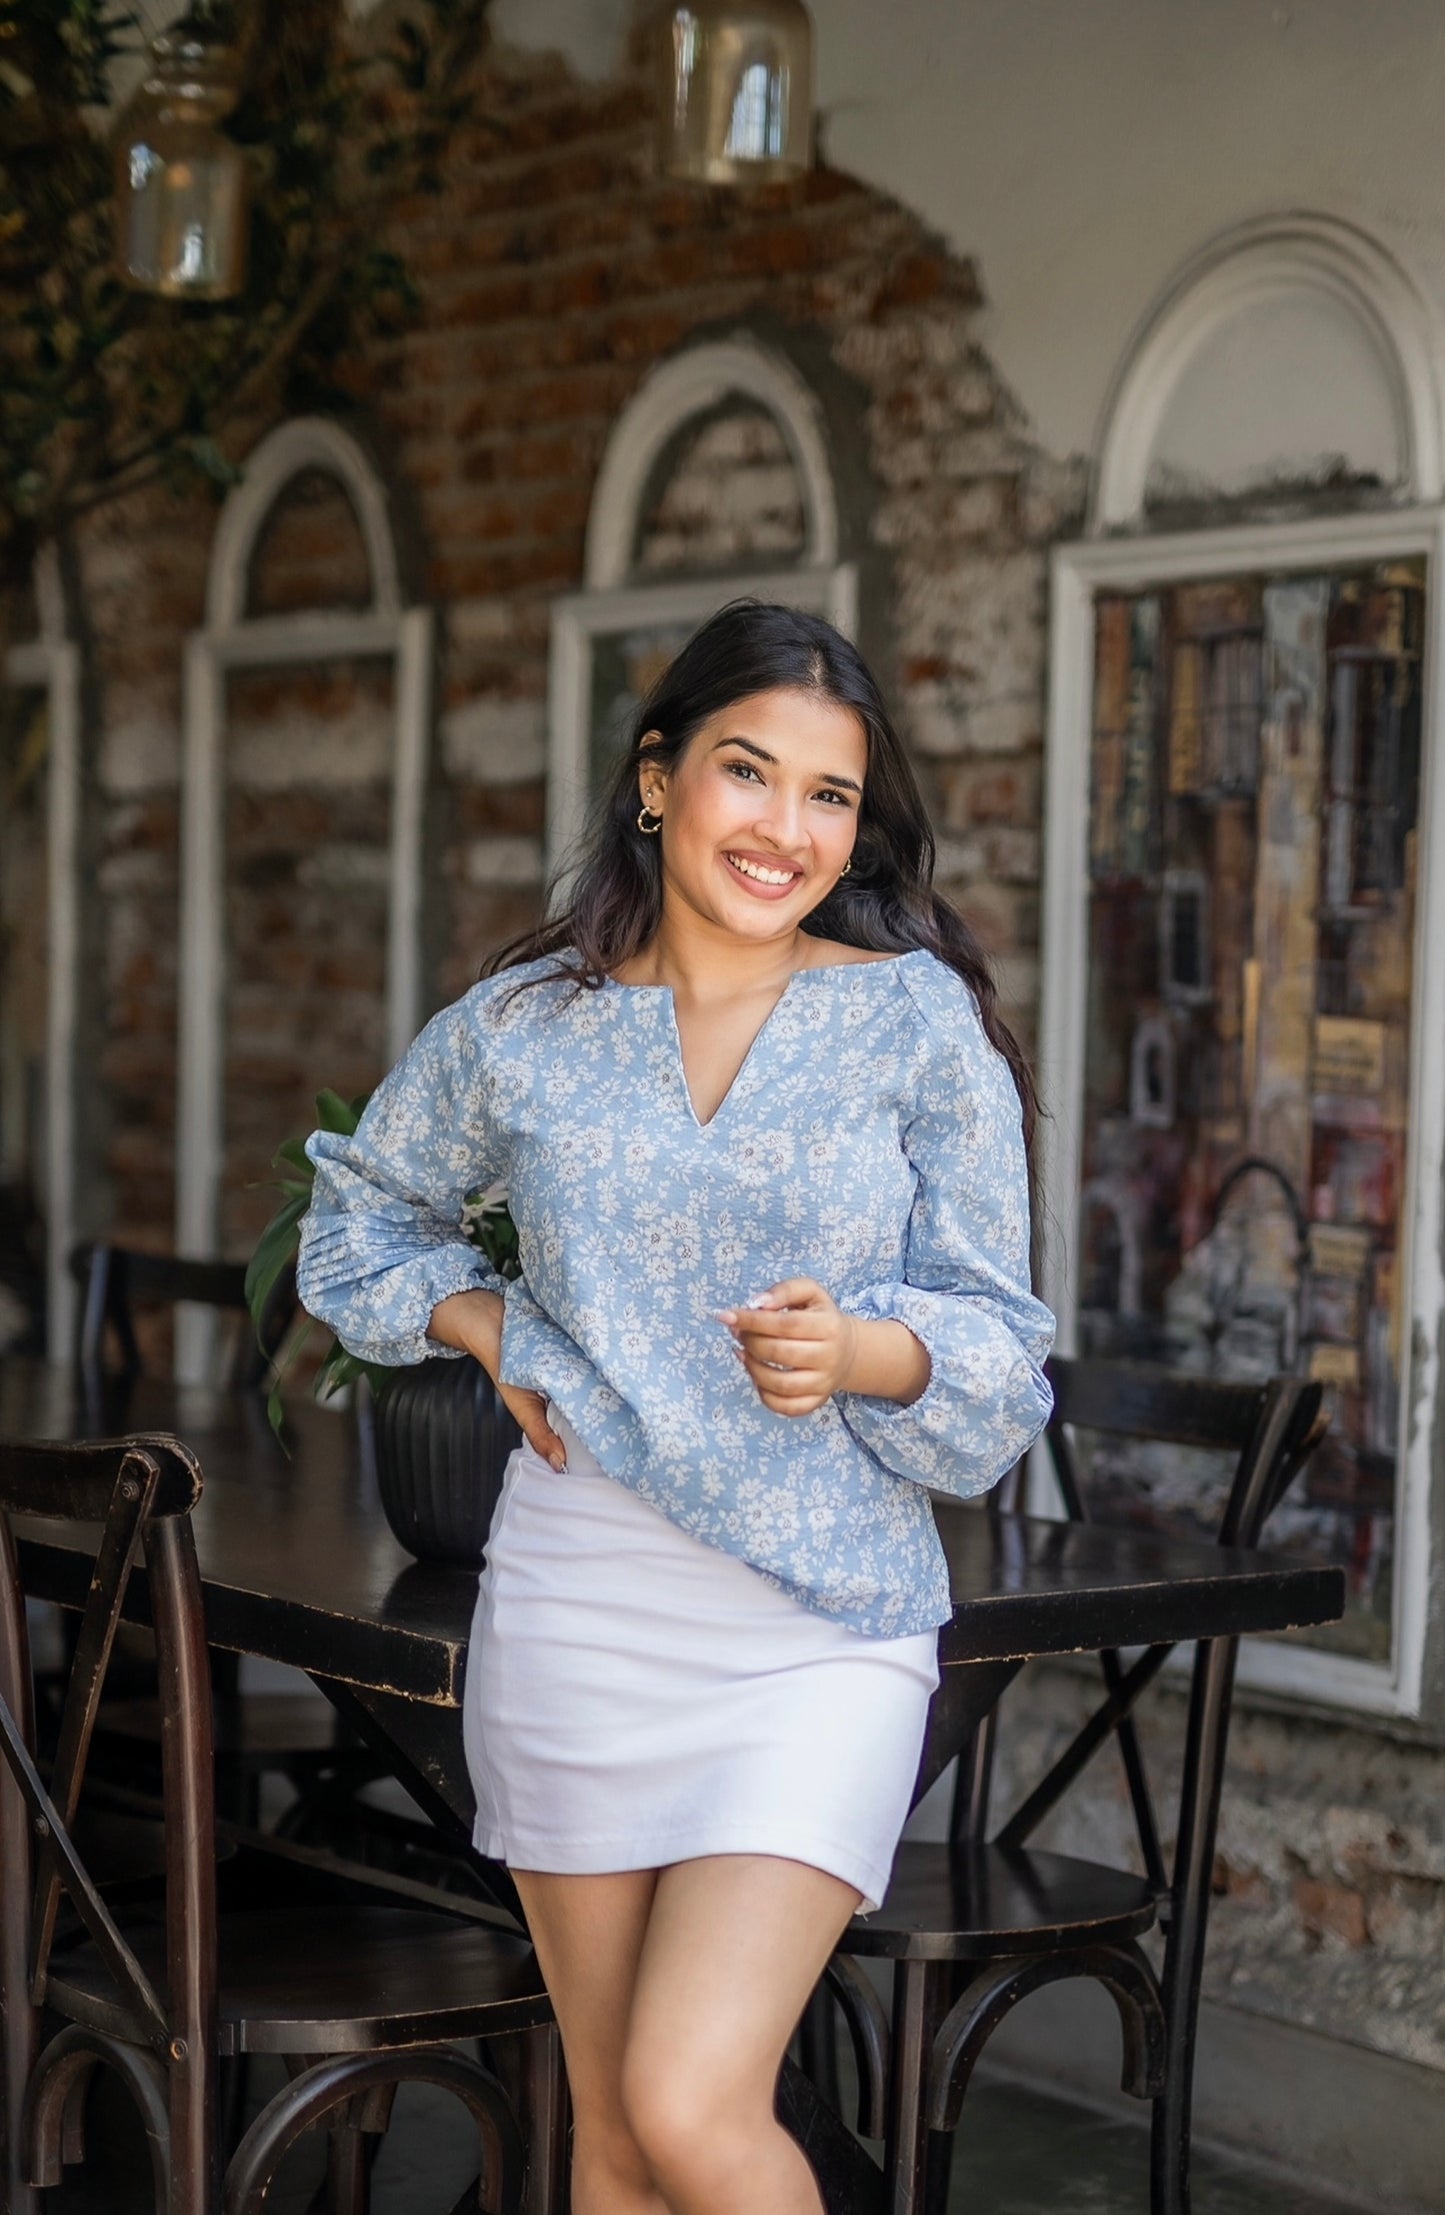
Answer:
(442, 1441)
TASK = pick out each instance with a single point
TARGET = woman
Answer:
(764, 1138)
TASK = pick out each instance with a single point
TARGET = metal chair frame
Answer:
(944, 2013)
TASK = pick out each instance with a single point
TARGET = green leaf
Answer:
(335, 1114)
(293, 1155)
(340, 1368)
(276, 1249)
(286, 1355)
(276, 1413)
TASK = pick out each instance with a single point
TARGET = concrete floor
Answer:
(1020, 2153)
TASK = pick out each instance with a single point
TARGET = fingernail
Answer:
(558, 1461)
(727, 1315)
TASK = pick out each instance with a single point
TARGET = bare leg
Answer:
(588, 1932)
(734, 1945)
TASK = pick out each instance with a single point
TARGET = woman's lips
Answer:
(756, 885)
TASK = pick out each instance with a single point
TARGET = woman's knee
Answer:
(603, 2145)
(691, 2129)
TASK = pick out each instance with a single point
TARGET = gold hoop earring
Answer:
(846, 866)
(648, 829)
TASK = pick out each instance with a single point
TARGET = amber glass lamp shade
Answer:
(180, 183)
(736, 90)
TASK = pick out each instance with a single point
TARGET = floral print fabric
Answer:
(871, 1140)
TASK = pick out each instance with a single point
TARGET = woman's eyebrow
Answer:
(850, 784)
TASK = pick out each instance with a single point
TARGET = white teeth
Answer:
(764, 876)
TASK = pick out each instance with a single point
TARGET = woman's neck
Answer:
(702, 962)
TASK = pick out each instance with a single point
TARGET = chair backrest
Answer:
(1270, 1429)
(118, 1280)
(135, 1496)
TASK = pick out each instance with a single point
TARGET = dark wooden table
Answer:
(298, 1565)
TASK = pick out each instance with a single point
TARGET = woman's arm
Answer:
(940, 1375)
(965, 1290)
(383, 1240)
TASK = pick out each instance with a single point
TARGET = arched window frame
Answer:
(681, 390)
(1265, 261)
(386, 629)
(1343, 264)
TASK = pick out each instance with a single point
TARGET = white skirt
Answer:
(635, 1697)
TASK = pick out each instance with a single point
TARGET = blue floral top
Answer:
(871, 1140)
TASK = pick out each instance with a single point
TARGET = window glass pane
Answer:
(1255, 778)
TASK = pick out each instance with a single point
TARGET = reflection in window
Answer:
(1255, 774)
(760, 106)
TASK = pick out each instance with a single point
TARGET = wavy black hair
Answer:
(886, 904)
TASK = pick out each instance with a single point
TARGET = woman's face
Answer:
(760, 811)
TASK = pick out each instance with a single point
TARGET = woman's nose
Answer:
(781, 819)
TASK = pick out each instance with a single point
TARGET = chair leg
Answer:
(316, 2094)
(53, 2127)
(348, 2172)
(938, 2184)
(1206, 1740)
(905, 2165)
(235, 2086)
(818, 2047)
(545, 2106)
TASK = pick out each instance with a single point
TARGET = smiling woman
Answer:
(764, 1140)
(772, 751)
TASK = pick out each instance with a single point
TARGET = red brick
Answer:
(1331, 1911)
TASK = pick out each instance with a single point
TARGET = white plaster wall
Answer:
(1082, 150)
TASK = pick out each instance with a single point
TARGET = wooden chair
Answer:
(358, 1999)
(116, 1281)
(256, 1734)
(975, 1924)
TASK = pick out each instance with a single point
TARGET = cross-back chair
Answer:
(976, 1923)
(357, 1999)
(257, 1734)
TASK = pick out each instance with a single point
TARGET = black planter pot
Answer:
(442, 1441)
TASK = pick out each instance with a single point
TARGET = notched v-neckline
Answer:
(666, 992)
(742, 1067)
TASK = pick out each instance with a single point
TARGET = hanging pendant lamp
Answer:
(736, 90)
(180, 183)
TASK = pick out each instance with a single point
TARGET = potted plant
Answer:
(442, 1432)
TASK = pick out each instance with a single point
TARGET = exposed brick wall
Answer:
(729, 499)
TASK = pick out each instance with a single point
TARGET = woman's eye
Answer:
(742, 769)
(750, 771)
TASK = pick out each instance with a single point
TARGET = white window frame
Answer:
(688, 385)
(385, 630)
(51, 664)
(1079, 573)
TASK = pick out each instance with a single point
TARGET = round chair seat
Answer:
(337, 1980)
(963, 1903)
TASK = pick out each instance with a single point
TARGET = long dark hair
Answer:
(886, 904)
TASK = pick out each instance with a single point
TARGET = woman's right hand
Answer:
(472, 1322)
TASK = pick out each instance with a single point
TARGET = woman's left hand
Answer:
(796, 1344)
